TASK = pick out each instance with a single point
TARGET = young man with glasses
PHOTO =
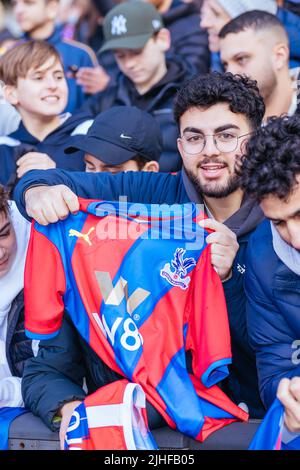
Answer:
(229, 108)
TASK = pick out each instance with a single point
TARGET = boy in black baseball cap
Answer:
(123, 138)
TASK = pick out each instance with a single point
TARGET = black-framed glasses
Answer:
(194, 143)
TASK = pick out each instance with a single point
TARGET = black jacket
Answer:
(189, 41)
(158, 101)
(18, 346)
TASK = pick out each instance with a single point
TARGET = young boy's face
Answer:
(31, 14)
(43, 92)
(144, 67)
(94, 165)
(8, 244)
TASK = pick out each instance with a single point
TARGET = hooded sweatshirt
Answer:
(20, 142)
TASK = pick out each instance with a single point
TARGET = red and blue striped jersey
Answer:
(141, 295)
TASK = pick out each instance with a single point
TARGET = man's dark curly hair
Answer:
(272, 161)
(204, 91)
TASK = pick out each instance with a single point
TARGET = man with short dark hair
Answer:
(256, 44)
(217, 13)
(216, 114)
(271, 174)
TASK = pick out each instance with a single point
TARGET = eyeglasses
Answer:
(194, 143)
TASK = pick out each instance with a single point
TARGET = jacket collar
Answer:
(24, 136)
(244, 221)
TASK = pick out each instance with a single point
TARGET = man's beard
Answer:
(218, 191)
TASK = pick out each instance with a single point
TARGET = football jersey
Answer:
(111, 418)
(139, 286)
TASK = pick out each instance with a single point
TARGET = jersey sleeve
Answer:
(208, 335)
(44, 287)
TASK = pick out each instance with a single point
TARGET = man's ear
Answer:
(179, 146)
(243, 146)
(280, 56)
(11, 94)
(153, 165)
(163, 38)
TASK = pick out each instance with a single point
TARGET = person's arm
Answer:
(55, 376)
(268, 331)
(145, 187)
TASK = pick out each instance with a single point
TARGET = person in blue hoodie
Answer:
(271, 173)
(35, 84)
(36, 20)
(216, 114)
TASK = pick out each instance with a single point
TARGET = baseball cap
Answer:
(120, 134)
(130, 25)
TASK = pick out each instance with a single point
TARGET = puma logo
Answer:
(85, 236)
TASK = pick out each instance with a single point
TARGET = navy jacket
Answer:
(158, 101)
(273, 299)
(160, 188)
(18, 346)
(18, 143)
(189, 42)
(72, 53)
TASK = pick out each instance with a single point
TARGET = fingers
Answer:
(222, 238)
(92, 79)
(224, 247)
(295, 388)
(32, 157)
(48, 205)
(71, 200)
(62, 435)
(288, 393)
(214, 225)
(34, 161)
